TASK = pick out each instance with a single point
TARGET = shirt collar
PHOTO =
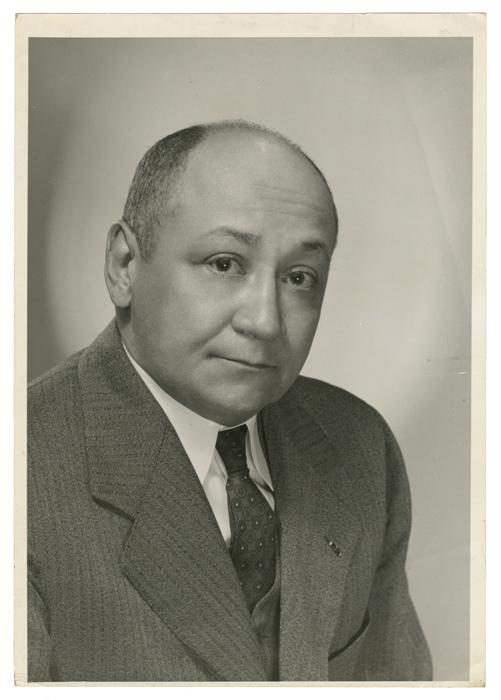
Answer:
(198, 435)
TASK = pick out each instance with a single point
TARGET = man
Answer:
(198, 512)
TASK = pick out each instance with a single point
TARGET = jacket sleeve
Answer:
(394, 648)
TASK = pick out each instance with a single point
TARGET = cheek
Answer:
(301, 320)
(179, 320)
(299, 342)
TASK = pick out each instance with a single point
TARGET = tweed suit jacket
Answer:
(129, 576)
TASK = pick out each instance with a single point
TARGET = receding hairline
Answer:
(157, 182)
(226, 125)
(216, 129)
(223, 127)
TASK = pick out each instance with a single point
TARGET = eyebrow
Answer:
(253, 239)
(247, 238)
(319, 247)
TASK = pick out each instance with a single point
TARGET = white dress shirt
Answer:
(198, 437)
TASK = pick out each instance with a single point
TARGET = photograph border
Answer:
(261, 25)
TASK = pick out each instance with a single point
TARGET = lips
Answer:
(252, 364)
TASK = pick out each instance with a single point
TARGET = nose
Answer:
(259, 313)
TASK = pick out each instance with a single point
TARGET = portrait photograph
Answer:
(249, 309)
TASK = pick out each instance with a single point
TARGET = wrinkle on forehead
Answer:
(252, 171)
(296, 197)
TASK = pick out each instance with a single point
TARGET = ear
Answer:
(122, 257)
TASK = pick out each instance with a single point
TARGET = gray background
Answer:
(389, 121)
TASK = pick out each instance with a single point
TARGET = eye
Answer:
(301, 279)
(226, 265)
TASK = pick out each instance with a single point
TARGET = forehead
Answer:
(255, 174)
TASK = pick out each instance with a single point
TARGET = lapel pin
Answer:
(333, 546)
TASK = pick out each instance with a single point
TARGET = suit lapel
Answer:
(304, 465)
(175, 555)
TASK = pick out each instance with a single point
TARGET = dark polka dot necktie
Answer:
(252, 520)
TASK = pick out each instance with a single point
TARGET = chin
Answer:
(229, 415)
(232, 410)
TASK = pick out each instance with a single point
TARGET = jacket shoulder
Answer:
(48, 390)
(329, 403)
(317, 388)
(354, 426)
(62, 382)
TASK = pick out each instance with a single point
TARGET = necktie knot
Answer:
(231, 446)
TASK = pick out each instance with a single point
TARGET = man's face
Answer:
(224, 314)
